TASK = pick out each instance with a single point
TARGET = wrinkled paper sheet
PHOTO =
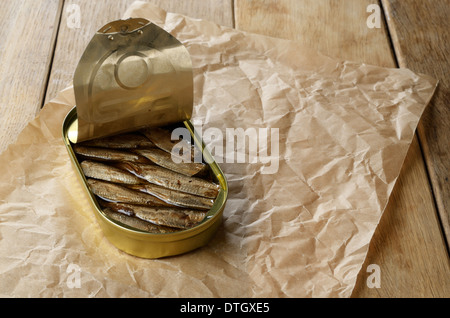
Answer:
(343, 129)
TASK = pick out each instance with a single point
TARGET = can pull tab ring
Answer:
(124, 26)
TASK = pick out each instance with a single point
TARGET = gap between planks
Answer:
(55, 39)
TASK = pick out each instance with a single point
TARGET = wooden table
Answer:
(41, 43)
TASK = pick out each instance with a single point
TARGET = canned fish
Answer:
(146, 204)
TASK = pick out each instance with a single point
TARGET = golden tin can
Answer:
(144, 244)
(133, 75)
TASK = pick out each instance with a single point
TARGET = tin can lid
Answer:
(132, 74)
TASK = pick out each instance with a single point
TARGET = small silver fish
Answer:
(137, 223)
(176, 198)
(166, 216)
(162, 138)
(117, 193)
(98, 170)
(106, 154)
(122, 141)
(164, 159)
(172, 180)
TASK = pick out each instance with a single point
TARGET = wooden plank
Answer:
(339, 29)
(27, 39)
(94, 14)
(218, 11)
(421, 38)
(336, 28)
(412, 258)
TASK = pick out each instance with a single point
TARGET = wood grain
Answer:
(412, 258)
(94, 14)
(338, 28)
(27, 38)
(420, 33)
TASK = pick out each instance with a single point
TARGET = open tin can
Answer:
(134, 75)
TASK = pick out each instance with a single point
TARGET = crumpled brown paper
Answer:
(344, 130)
